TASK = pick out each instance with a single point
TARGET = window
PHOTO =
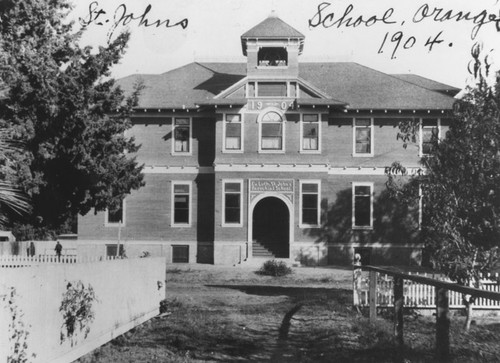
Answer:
(429, 135)
(310, 133)
(362, 204)
(271, 132)
(112, 249)
(233, 133)
(181, 213)
(232, 203)
(363, 135)
(272, 57)
(271, 89)
(115, 217)
(180, 253)
(182, 135)
(309, 203)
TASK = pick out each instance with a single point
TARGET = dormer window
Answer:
(271, 89)
(272, 57)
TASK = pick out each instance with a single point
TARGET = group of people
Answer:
(31, 250)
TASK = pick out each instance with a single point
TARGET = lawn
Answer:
(228, 314)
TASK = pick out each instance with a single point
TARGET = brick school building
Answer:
(272, 158)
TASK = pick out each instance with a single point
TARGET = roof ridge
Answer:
(399, 79)
(426, 78)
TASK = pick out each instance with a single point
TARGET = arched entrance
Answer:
(271, 228)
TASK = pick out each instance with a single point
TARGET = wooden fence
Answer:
(23, 261)
(422, 296)
(127, 293)
(441, 289)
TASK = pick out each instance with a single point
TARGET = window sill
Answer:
(363, 155)
(362, 228)
(232, 225)
(181, 154)
(310, 151)
(180, 225)
(271, 151)
(309, 226)
(225, 151)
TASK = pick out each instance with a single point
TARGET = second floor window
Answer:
(429, 135)
(363, 137)
(182, 135)
(271, 132)
(233, 133)
(310, 133)
(117, 216)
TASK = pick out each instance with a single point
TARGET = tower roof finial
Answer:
(273, 14)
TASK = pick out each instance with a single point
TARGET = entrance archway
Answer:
(271, 228)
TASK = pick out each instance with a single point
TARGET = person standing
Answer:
(58, 250)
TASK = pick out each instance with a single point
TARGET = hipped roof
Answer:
(357, 86)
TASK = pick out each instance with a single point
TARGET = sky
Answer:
(418, 36)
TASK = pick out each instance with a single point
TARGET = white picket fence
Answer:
(23, 261)
(423, 296)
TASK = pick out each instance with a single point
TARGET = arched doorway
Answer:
(271, 228)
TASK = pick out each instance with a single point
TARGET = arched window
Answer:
(271, 131)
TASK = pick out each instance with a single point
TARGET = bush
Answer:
(275, 268)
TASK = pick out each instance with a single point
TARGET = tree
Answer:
(460, 185)
(68, 113)
(12, 200)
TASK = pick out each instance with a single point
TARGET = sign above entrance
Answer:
(271, 185)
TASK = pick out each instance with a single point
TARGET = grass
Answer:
(234, 315)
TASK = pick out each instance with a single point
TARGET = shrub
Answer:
(77, 310)
(275, 268)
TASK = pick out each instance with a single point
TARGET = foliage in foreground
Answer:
(275, 268)
(69, 116)
(77, 311)
(459, 184)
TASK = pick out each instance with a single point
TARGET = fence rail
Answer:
(399, 295)
(422, 296)
(24, 261)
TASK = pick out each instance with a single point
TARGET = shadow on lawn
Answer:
(309, 293)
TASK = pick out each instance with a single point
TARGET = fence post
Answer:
(398, 309)
(357, 282)
(442, 325)
(373, 295)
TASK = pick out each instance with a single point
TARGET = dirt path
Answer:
(219, 314)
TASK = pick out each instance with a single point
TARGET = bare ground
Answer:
(231, 314)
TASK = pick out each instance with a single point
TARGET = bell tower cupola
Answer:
(272, 48)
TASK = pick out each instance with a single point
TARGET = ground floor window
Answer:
(362, 205)
(309, 203)
(181, 213)
(111, 250)
(232, 203)
(180, 253)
